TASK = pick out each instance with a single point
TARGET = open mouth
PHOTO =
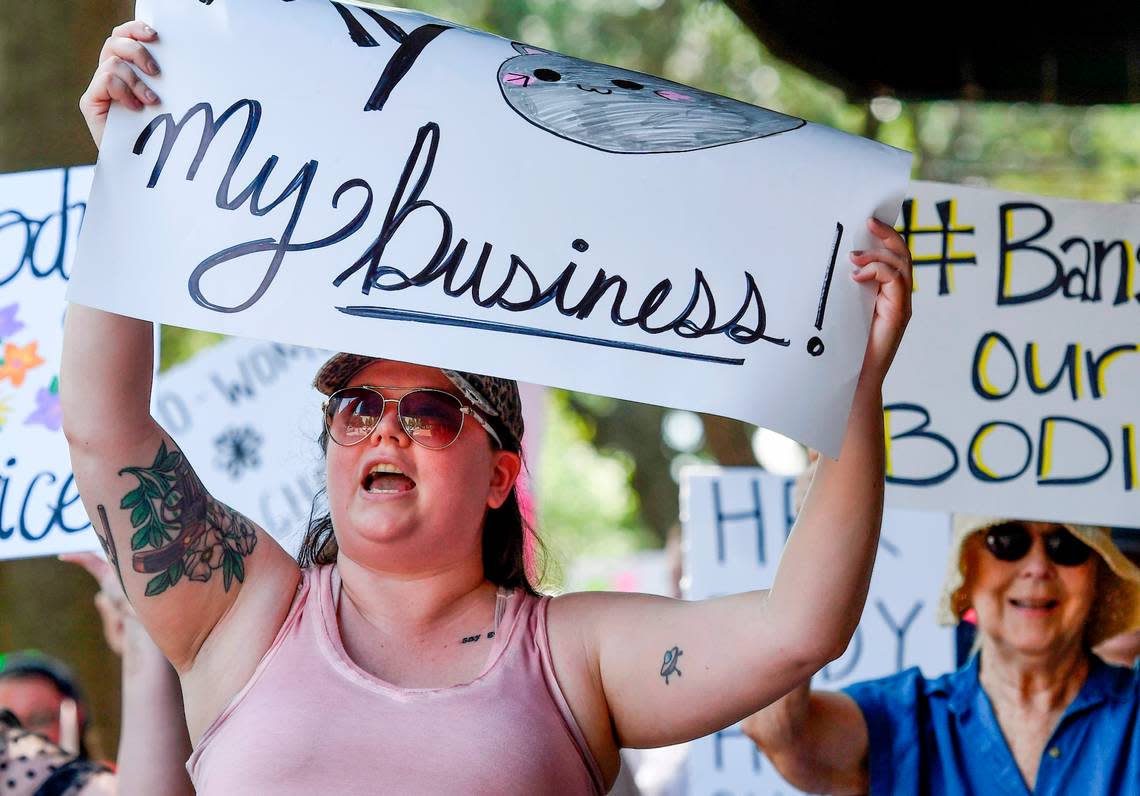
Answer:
(1034, 605)
(387, 479)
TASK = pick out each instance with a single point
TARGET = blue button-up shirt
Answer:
(941, 737)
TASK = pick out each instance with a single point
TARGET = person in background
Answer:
(43, 694)
(43, 715)
(43, 723)
(153, 741)
(1032, 711)
(31, 765)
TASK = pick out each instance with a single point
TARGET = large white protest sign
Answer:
(40, 215)
(735, 522)
(248, 419)
(376, 180)
(1017, 388)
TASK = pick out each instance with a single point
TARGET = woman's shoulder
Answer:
(908, 689)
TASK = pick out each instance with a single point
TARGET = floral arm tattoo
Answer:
(179, 529)
(107, 541)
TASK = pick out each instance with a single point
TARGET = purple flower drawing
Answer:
(47, 413)
(8, 323)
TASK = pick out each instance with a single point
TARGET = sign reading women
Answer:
(383, 182)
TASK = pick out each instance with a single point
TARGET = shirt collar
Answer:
(1103, 683)
(962, 686)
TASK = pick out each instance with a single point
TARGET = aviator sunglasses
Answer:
(431, 418)
(1011, 542)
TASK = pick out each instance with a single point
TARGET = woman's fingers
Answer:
(888, 278)
(115, 80)
(130, 50)
(888, 235)
(128, 77)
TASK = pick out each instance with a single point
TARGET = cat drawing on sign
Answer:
(621, 111)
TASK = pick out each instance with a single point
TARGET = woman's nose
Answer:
(389, 430)
(1037, 563)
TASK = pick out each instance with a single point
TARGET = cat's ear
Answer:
(527, 49)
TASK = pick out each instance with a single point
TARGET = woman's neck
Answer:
(414, 603)
(1045, 683)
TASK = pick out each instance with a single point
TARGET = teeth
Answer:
(385, 468)
(1035, 603)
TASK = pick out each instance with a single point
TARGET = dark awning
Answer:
(1087, 54)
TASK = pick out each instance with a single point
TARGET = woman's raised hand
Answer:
(115, 80)
(888, 265)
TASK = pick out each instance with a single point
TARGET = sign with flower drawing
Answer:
(40, 214)
(203, 403)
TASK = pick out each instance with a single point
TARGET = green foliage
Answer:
(584, 496)
(145, 502)
(156, 487)
(179, 344)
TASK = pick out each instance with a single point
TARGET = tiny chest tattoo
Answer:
(476, 637)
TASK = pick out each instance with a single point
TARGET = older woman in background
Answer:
(1033, 711)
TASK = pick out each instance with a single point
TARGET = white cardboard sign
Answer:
(40, 215)
(244, 412)
(734, 523)
(376, 180)
(1016, 391)
(247, 417)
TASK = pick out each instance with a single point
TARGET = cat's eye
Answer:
(630, 84)
(547, 75)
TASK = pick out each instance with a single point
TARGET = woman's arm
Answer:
(185, 560)
(817, 740)
(733, 655)
(153, 744)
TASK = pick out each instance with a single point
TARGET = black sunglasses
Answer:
(1012, 542)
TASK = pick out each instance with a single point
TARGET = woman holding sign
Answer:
(1034, 711)
(410, 653)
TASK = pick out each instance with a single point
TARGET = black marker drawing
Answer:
(626, 112)
(410, 46)
(237, 450)
(815, 344)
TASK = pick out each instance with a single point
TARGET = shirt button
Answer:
(1054, 752)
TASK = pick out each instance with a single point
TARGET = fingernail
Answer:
(148, 28)
(152, 67)
(150, 95)
(856, 252)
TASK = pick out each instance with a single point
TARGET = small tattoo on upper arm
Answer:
(669, 665)
(191, 534)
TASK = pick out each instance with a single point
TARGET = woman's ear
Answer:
(505, 468)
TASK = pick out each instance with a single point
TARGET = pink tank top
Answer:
(310, 721)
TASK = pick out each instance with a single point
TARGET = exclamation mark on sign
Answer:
(1131, 476)
(815, 345)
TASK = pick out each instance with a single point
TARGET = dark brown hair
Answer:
(505, 532)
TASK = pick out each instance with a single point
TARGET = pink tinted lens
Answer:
(433, 419)
(352, 414)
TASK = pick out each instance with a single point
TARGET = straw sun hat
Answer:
(1117, 605)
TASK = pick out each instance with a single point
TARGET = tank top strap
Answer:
(536, 608)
